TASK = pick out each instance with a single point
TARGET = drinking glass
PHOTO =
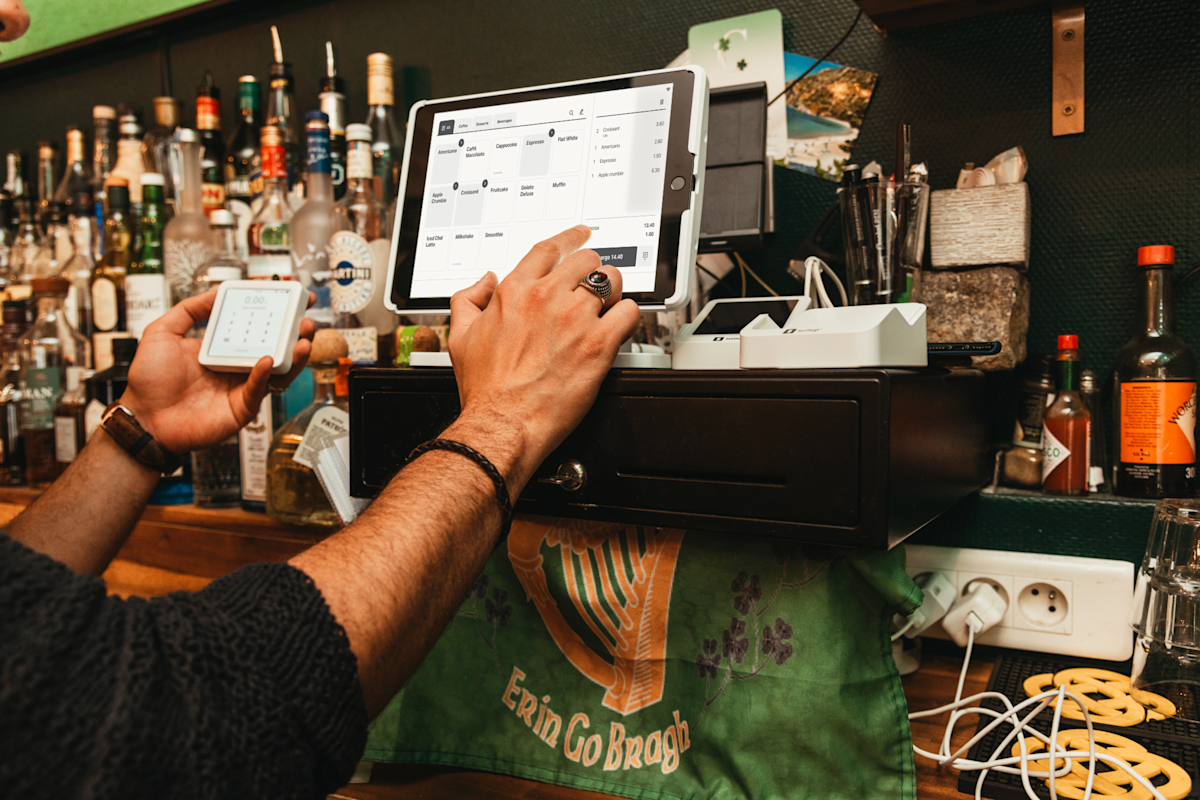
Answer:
(1166, 608)
(883, 226)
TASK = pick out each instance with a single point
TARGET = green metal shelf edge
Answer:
(1095, 526)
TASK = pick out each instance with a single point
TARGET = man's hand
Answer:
(530, 353)
(186, 406)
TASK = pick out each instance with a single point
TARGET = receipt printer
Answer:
(851, 457)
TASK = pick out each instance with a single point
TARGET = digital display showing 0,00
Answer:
(250, 323)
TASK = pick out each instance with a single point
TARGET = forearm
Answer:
(85, 516)
(394, 578)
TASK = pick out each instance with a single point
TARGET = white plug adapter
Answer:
(939, 596)
(981, 607)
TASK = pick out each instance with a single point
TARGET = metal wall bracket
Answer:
(1067, 58)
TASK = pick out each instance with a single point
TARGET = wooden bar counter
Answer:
(183, 548)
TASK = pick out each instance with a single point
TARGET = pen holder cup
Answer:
(883, 226)
(1166, 608)
(985, 226)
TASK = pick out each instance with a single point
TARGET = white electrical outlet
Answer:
(1056, 604)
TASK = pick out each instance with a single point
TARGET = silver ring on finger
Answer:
(598, 283)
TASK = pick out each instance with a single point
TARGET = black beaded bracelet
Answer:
(506, 509)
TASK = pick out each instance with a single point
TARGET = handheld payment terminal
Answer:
(252, 319)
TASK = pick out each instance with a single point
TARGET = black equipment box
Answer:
(855, 457)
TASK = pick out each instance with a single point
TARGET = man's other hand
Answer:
(186, 406)
(530, 353)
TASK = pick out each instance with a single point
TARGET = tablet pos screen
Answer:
(489, 177)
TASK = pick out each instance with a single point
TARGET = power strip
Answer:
(1056, 604)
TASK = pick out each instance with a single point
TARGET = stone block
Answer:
(979, 305)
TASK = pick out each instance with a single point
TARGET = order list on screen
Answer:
(502, 178)
(249, 323)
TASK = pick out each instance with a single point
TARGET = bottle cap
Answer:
(152, 179)
(247, 79)
(358, 132)
(1068, 342)
(380, 88)
(130, 128)
(1156, 254)
(166, 111)
(218, 274)
(50, 285)
(222, 218)
(186, 136)
(104, 112)
(318, 116)
(118, 195)
(123, 350)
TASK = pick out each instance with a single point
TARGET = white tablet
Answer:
(252, 319)
(486, 177)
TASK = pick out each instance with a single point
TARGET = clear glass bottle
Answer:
(1023, 461)
(78, 175)
(333, 103)
(58, 246)
(294, 495)
(147, 296)
(310, 227)
(108, 277)
(1154, 396)
(187, 239)
(359, 249)
(8, 236)
(12, 443)
(14, 176)
(1066, 428)
(1089, 392)
(27, 248)
(226, 264)
(47, 349)
(254, 448)
(78, 270)
(47, 181)
(269, 235)
(385, 148)
(104, 158)
(69, 431)
(157, 144)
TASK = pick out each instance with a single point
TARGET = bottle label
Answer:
(265, 267)
(359, 163)
(1054, 452)
(182, 258)
(352, 270)
(104, 304)
(318, 151)
(254, 443)
(363, 344)
(65, 446)
(40, 390)
(274, 162)
(326, 425)
(213, 196)
(208, 114)
(1158, 422)
(145, 301)
(238, 187)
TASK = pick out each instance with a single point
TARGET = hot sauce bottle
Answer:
(1154, 398)
(1066, 428)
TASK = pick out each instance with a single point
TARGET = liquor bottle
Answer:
(8, 236)
(47, 181)
(384, 141)
(146, 294)
(108, 278)
(58, 244)
(280, 110)
(187, 240)
(130, 164)
(333, 103)
(157, 144)
(48, 347)
(358, 257)
(12, 444)
(78, 270)
(269, 241)
(106, 386)
(1089, 392)
(78, 175)
(14, 175)
(1154, 397)
(1066, 428)
(310, 227)
(27, 248)
(294, 495)
(69, 431)
(243, 162)
(225, 264)
(104, 158)
(212, 159)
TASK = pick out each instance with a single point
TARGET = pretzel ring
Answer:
(1145, 763)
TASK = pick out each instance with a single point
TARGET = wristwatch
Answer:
(123, 427)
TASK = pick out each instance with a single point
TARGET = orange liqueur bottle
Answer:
(1066, 428)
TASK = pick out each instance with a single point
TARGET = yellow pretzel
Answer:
(1145, 763)
(1157, 706)
(1090, 675)
(1116, 709)
(1119, 709)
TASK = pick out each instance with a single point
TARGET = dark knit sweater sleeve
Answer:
(245, 689)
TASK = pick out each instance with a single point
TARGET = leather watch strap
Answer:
(120, 423)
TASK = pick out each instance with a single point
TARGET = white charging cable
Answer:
(820, 299)
(976, 612)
